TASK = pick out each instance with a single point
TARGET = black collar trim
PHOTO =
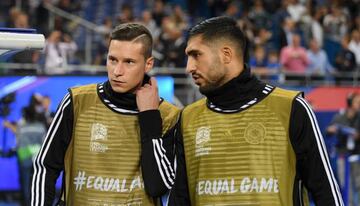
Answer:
(110, 105)
(266, 91)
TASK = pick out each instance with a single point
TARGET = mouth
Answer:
(118, 82)
(196, 78)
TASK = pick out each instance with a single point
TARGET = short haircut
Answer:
(221, 28)
(134, 32)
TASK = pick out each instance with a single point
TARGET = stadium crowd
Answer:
(319, 37)
(296, 36)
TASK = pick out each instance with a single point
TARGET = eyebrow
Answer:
(192, 52)
(129, 59)
(111, 56)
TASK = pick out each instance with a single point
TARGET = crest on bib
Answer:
(255, 133)
(201, 140)
(98, 132)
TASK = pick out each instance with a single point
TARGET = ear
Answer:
(227, 54)
(149, 64)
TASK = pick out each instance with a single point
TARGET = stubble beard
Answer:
(215, 80)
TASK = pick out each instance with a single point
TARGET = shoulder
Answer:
(85, 89)
(169, 114)
(168, 108)
(195, 105)
(285, 93)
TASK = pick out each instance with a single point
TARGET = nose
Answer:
(119, 70)
(190, 66)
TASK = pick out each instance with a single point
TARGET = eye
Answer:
(130, 62)
(196, 55)
(112, 59)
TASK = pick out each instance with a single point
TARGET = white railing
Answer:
(89, 26)
(184, 86)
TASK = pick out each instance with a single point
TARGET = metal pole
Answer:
(88, 46)
(51, 21)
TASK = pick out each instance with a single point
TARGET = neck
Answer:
(234, 70)
(125, 100)
(237, 91)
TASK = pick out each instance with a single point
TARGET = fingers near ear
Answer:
(153, 82)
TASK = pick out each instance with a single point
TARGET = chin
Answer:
(119, 89)
(207, 89)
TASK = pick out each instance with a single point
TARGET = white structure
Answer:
(10, 40)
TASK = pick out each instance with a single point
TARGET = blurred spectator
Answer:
(158, 12)
(179, 18)
(101, 51)
(258, 60)
(281, 14)
(318, 60)
(70, 6)
(13, 14)
(21, 21)
(25, 56)
(356, 24)
(148, 21)
(49, 115)
(30, 132)
(273, 66)
(246, 27)
(293, 58)
(59, 47)
(273, 60)
(345, 126)
(335, 24)
(126, 14)
(171, 44)
(296, 10)
(286, 32)
(345, 59)
(232, 10)
(316, 29)
(265, 67)
(259, 17)
(106, 27)
(354, 45)
(349, 118)
(263, 39)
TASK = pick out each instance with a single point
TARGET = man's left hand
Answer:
(147, 96)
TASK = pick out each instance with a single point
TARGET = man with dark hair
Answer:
(94, 137)
(345, 127)
(246, 142)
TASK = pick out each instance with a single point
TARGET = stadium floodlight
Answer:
(14, 40)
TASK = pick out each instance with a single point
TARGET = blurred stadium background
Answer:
(76, 37)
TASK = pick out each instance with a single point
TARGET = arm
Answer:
(50, 160)
(179, 195)
(157, 158)
(156, 181)
(312, 162)
(157, 152)
(158, 163)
